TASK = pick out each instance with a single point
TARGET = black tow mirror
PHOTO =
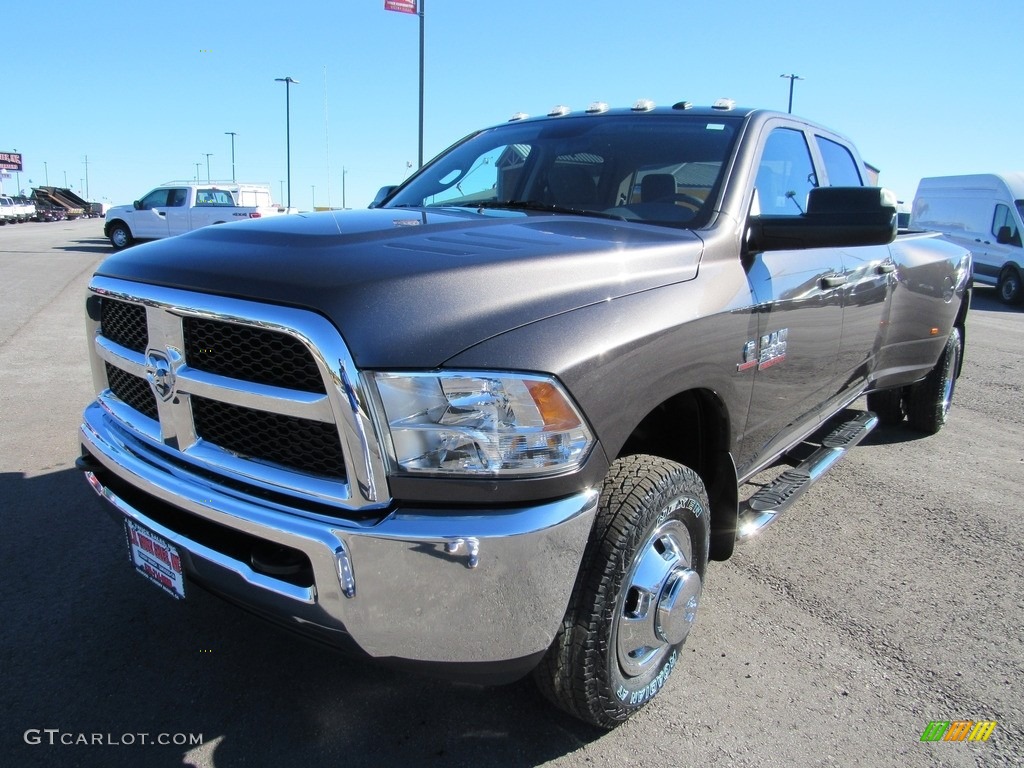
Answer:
(836, 217)
(383, 194)
(137, 205)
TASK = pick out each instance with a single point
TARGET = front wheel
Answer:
(120, 236)
(1009, 286)
(929, 401)
(637, 593)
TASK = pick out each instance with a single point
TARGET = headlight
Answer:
(481, 424)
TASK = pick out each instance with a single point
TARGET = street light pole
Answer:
(208, 166)
(343, 172)
(232, 134)
(197, 172)
(46, 170)
(422, 15)
(314, 195)
(288, 81)
(791, 79)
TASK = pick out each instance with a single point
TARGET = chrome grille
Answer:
(309, 446)
(263, 396)
(124, 324)
(252, 354)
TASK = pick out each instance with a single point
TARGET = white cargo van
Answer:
(984, 212)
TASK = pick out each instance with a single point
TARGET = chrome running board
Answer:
(774, 498)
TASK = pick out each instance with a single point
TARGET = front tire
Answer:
(120, 236)
(637, 593)
(929, 401)
(1009, 286)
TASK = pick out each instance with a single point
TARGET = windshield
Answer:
(661, 169)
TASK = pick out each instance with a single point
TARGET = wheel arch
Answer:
(113, 223)
(692, 428)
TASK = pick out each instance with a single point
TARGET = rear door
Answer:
(799, 305)
(868, 277)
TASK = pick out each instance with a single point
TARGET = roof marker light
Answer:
(558, 111)
(518, 116)
(597, 108)
(682, 105)
(643, 105)
(724, 104)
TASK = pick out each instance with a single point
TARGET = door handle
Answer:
(886, 268)
(161, 213)
(833, 281)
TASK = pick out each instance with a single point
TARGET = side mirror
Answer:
(836, 217)
(383, 194)
(1005, 237)
(137, 205)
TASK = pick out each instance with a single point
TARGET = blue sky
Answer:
(145, 90)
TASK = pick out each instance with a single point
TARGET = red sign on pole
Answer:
(402, 6)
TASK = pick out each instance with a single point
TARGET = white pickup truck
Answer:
(177, 207)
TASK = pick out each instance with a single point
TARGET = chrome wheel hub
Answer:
(658, 601)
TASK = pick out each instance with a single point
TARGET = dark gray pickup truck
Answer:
(499, 422)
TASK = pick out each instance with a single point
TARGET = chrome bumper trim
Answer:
(482, 585)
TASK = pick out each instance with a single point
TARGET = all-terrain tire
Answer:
(637, 593)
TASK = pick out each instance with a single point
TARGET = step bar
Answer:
(769, 502)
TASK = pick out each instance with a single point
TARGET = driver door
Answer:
(150, 218)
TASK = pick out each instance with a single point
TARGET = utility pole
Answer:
(197, 172)
(791, 78)
(86, 177)
(208, 166)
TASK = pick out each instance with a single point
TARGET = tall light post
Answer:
(343, 174)
(208, 166)
(422, 14)
(46, 171)
(791, 78)
(232, 134)
(281, 182)
(86, 177)
(197, 172)
(288, 81)
(314, 195)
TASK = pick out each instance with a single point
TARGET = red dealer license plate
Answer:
(155, 558)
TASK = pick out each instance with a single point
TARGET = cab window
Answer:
(155, 199)
(1004, 227)
(839, 164)
(785, 175)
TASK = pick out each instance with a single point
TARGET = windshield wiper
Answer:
(536, 205)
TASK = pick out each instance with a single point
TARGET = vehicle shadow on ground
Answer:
(89, 245)
(89, 647)
(985, 298)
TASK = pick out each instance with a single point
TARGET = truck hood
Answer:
(410, 287)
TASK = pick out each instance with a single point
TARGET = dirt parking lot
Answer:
(890, 597)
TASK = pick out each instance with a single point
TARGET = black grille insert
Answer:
(124, 323)
(251, 354)
(132, 391)
(309, 446)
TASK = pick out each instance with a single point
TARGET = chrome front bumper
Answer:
(427, 585)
